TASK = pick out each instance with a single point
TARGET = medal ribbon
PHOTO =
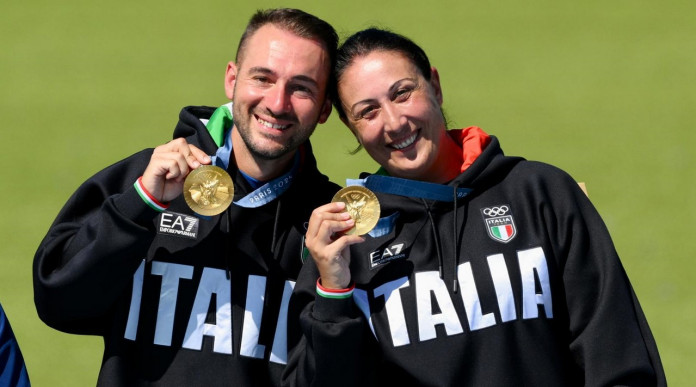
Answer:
(404, 187)
(219, 126)
(411, 188)
(384, 225)
(271, 190)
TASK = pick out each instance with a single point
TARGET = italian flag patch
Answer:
(499, 222)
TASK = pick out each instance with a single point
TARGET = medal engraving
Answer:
(363, 207)
(208, 190)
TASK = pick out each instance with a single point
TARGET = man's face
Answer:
(279, 91)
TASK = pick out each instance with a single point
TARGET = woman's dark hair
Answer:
(375, 39)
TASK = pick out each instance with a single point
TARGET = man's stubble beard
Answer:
(270, 154)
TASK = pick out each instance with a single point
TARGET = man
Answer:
(182, 299)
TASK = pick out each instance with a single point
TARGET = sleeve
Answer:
(609, 335)
(329, 340)
(13, 371)
(93, 248)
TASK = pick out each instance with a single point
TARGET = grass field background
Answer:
(603, 89)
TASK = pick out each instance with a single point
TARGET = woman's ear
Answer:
(435, 83)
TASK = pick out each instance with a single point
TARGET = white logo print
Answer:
(496, 211)
(387, 255)
(183, 225)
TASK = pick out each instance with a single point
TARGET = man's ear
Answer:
(230, 79)
(325, 111)
(435, 83)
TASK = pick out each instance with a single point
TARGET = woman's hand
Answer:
(329, 246)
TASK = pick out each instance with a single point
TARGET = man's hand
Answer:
(169, 165)
(329, 246)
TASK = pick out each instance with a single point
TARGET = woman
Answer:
(484, 270)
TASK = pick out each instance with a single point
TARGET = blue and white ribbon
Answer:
(267, 192)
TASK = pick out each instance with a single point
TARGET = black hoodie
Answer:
(516, 284)
(179, 299)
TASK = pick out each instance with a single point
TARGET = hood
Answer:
(484, 164)
(193, 129)
(484, 160)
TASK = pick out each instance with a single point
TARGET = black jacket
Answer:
(516, 284)
(179, 299)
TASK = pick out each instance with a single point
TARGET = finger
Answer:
(327, 212)
(197, 157)
(333, 207)
(329, 240)
(325, 226)
(192, 155)
(178, 150)
(347, 240)
(322, 225)
(171, 165)
(175, 145)
(331, 230)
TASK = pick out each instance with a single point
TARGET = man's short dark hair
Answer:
(299, 23)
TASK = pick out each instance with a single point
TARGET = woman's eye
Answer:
(402, 94)
(368, 112)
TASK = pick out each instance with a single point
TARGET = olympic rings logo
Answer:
(496, 211)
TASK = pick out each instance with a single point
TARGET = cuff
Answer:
(335, 293)
(148, 198)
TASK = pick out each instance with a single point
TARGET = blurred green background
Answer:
(603, 89)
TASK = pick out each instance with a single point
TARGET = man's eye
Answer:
(260, 79)
(302, 90)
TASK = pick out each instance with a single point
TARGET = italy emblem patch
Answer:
(499, 223)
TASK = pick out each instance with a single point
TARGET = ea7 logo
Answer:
(176, 224)
(387, 255)
(499, 223)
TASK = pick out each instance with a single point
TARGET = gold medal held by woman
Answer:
(208, 190)
(363, 207)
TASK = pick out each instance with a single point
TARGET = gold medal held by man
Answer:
(363, 207)
(208, 190)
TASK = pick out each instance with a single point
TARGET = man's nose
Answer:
(278, 99)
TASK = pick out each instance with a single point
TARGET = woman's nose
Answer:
(393, 119)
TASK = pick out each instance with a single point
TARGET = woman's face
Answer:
(394, 112)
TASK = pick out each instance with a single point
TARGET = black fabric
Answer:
(507, 323)
(105, 242)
